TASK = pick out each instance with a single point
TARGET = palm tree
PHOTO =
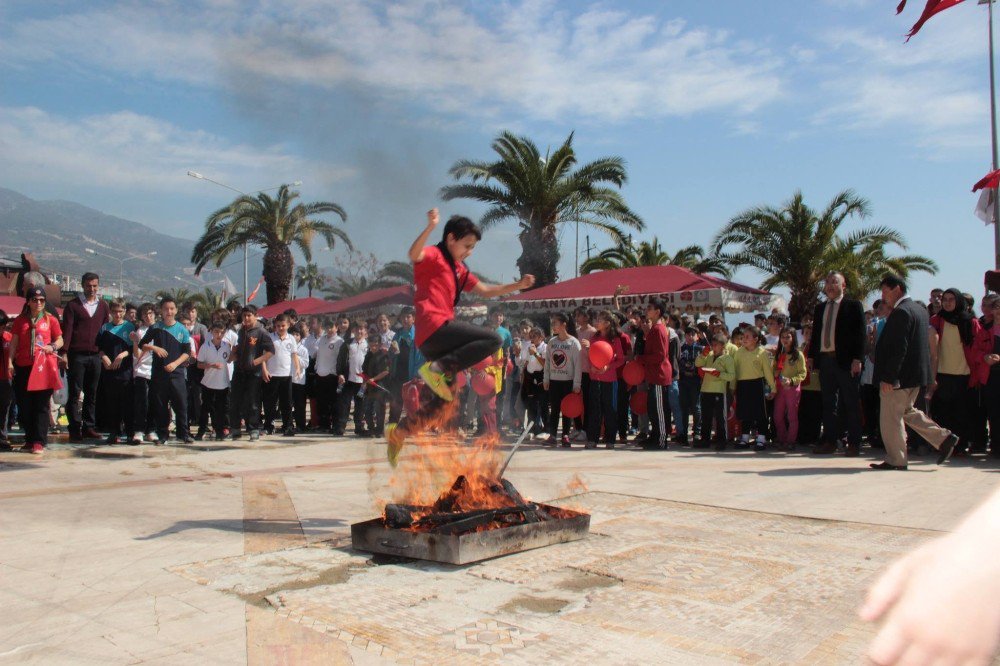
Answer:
(274, 224)
(651, 253)
(795, 247)
(206, 300)
(542, 192)
(350, 285)
(394, 273)
(311, 277)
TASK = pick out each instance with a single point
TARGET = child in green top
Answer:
(717, 370)
(753, 374)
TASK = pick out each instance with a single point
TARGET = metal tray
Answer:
(374, 537)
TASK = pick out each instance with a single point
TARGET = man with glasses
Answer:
(83, 318)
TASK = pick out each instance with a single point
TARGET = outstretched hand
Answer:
(433, 217)
(526, 281)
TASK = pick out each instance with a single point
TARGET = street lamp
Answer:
(121, 265)
(246, 251)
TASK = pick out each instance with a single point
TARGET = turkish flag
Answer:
(933, 7)
(45, 373)
(989, 181)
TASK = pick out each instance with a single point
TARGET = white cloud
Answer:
(534, 57)
(126, 150)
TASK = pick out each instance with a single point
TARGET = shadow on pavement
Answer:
(307, 527)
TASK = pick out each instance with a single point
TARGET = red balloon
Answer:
(634, 373)
(601, 354)
(638, 402)
(484, 384)
(572, 405)
(485, 363)
(461, 379)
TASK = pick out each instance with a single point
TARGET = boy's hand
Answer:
(621, 289)
(106, 362)
(160, 351)
(433, 217)
(170, 367)
(526, 281)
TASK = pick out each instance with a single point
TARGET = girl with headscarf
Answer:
(958, 365)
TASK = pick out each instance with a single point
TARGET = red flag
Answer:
(989, 181)
(933, 7)
(45, 373)
(253, 294)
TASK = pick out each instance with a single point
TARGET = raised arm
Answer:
(417, 249)
(494, 290)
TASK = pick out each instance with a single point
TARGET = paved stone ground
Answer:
(240, 554)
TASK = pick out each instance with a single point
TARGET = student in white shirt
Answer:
(327, 352)
(277, 376)
(144, 419)
(532, 364)
(299, 380)
(349, 363)
(214, 358)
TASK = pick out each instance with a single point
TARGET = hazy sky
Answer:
(716, 106)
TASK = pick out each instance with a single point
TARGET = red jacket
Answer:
(973, 352)
(656, 359)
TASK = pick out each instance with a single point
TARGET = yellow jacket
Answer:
(716, 383)
(754, 364)
(795, 371)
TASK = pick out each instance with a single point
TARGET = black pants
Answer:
(602, 409)
(458, 345)
(871, 405)
(33, 407)
(578, 422)
(348, 396)
(143, 416)
(6, 397)
(119, 407)
(714, 408)
(992, 395)
(558, 389)
(624, 394)
(83, 375)
(658, 412)
(535, 398)
(278, 395)
(840, 391)
(690, 395)
(326, 401)
(375, 403)
(244, 401)
(751, 409)
(170, 390)
(194, 377)
(299, 393)
(950, 406)
(214, 403)
(810, 416)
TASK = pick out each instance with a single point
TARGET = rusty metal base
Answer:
(374, 537)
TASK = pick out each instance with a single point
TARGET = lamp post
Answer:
(246, 251)
(121, 265)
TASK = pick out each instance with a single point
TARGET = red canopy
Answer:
(304, 306)
(677, 286)
(13, 305)
(376, 298)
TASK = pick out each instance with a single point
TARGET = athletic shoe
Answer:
(580, 436)
(289, 432)
(136, 439)
(151, 437)
(112, 439)
(947, 449)
(188, 439)
(37, 448)
(199, 437)
(254, 435)
(565, 442)
(436, 382)
(395, 438)
(760, 446)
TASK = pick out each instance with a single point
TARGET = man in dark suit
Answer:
(837, 348)
(902, 370)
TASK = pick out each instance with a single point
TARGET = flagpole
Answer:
(993, 131)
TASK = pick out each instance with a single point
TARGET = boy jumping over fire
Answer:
(440, 277)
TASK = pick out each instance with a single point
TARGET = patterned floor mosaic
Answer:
(655, 582)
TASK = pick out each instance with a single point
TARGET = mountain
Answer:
(58, 233)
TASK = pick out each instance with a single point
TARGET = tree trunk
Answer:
(802, 303)
(277, 269)
(539, 254)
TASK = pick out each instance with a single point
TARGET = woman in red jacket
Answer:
(659, 375)
(602, 404)
(959, 362)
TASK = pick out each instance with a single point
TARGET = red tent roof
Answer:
(304, 306)
(401, 295)
(641, 280)
(13, 305)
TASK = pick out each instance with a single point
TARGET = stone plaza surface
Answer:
(236, 553)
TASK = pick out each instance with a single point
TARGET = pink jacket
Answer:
(618, 360)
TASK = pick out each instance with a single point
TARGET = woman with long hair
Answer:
(602, 403)
(789, 373)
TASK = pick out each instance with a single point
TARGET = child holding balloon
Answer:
(606, 356)
(563, 375)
